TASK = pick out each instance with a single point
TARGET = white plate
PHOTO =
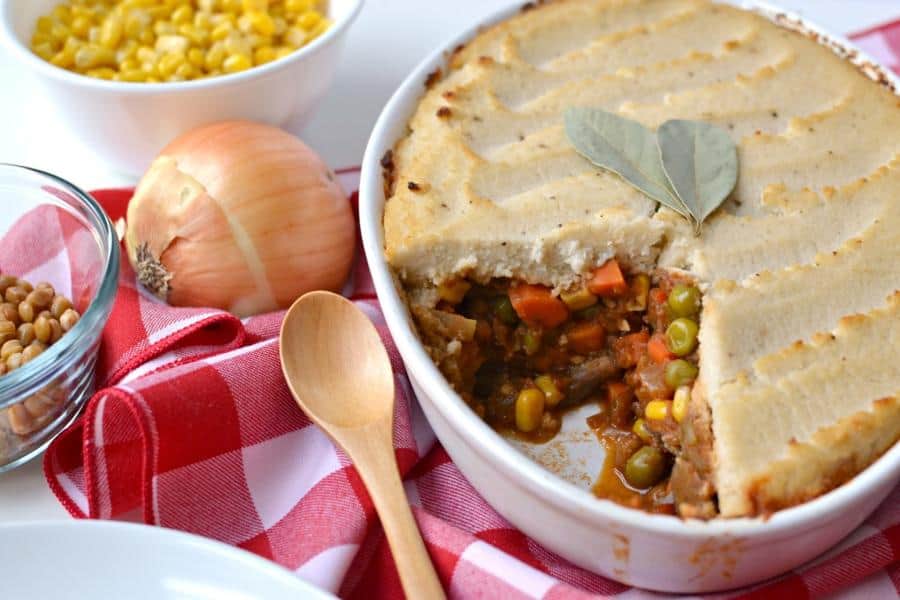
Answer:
(104, 559)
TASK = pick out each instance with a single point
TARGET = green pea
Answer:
(645, 468)
(531, 341)
(504, 310)
(680, 372)
(684, 300)
(681, 336)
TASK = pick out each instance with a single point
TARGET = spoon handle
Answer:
(373, 455)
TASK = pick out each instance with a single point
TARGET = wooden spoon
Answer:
(340, 375)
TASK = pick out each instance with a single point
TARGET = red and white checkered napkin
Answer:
(194, 429)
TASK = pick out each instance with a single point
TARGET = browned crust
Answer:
(859, 440)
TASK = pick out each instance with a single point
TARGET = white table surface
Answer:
(388, 39)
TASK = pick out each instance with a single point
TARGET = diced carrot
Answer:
(658, 350)
(537, 306)
(629, 348)
(586, 337)
(608, 280)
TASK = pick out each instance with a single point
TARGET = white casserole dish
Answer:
(649, 551)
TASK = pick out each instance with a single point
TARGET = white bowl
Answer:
(649, 551)
(76, 559)
(127, 124)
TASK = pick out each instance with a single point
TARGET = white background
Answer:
(387, 40)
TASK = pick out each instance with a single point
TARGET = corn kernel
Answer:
(208, 5)
(44, 50)
(170, 62)
(237, 44)
(453, 291)
(91, 56)
(297, 6)
(641, 430)
(59, 32)
(263, 55)
(166, 44)
(215, 56)
(680, 403)
(101, 73)
(185, 70)
(62, 59)
(232, 6)
(221, 31)
(262, 23)
(81, 26)
(283, 51)
(44, 25)
(319, 29)
(146, 54)
(236, 62)
(133, 75)
(111, 32)
(147, 37)
(529, 409)
(164, 28)
(657, 410)
(295, 37)
(136, 23)
(280, 25)
(255, 5)
(308, 20)
(63, 13)
(126, 51)
(130, 64)
(183, 14)
(196, 57)
(552, 395)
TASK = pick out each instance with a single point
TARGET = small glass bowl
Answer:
(40, 215)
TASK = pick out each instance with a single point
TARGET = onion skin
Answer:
(239, 216)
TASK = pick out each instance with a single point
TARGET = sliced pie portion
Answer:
(504, 239)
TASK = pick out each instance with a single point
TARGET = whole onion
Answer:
(239, 216)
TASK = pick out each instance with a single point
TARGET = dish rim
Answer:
(36, 63)
(486, 442)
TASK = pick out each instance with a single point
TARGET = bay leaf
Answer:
(624, 147)
(700, 161)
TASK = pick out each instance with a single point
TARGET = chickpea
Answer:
(33, 350)
(44, 313)
(60, 305)
(40, 298)
(42, 330)
(15, 294)
(10, 312)
(26, 311)
(68, 319)
(7, 331)
(26, 333)
(24, 285)
(6, 281)
(9, 348)
(56, 331)
(14, 361)
(19, 420)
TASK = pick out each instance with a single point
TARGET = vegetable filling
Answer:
(521, 356)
